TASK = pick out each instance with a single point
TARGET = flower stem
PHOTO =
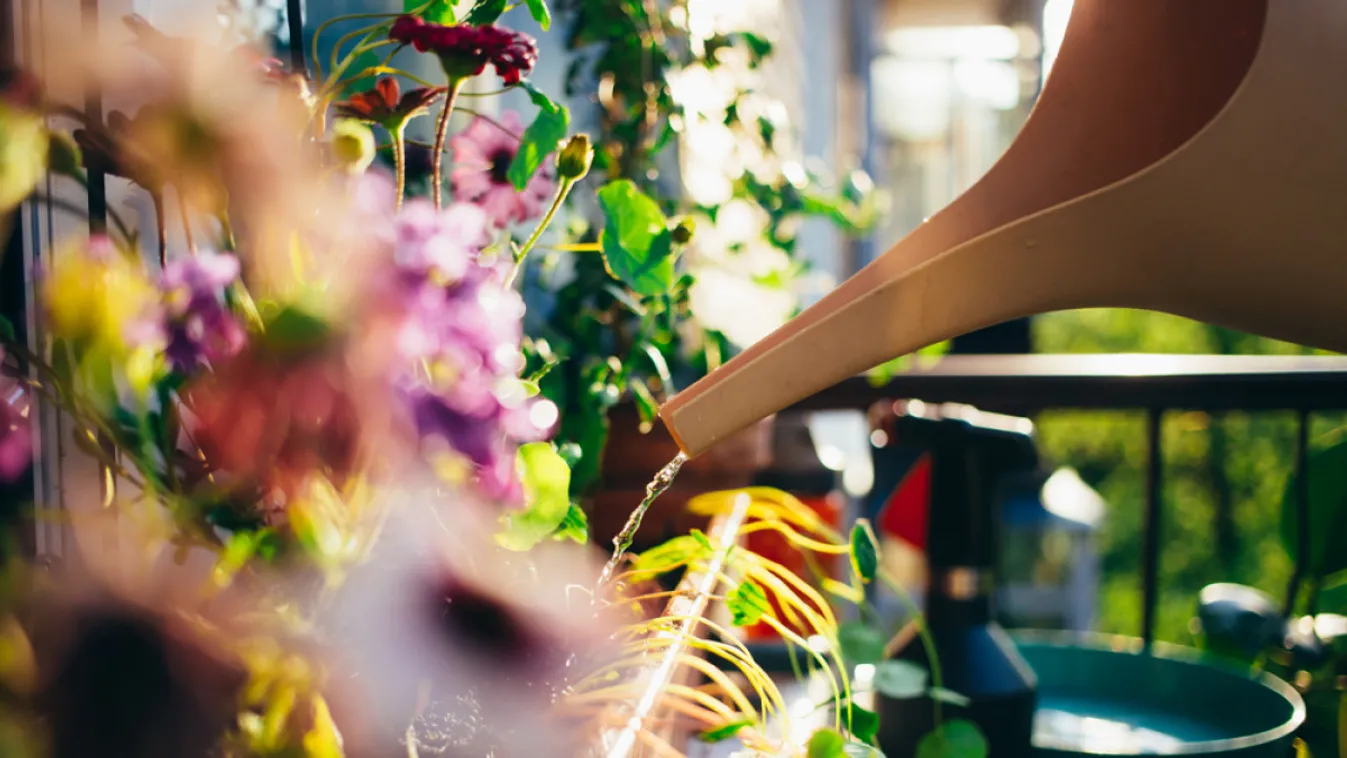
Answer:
(400, 160)
(442, 131)
(64, 205)
(924, 633)
(563, 189)
(186, 224)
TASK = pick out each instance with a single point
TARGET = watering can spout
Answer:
(1183, 157)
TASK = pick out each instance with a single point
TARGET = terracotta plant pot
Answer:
(631, 459)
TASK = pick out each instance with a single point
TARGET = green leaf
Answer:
(7, 330)
(702, 539)
(574, 527)
(438, 12)
(569, 452)
(240, 549)
(759, 47)
(861, 723)
(539, 97)
(661, 366)
(293, 329)
(670, 555)
(538, 9)
(586, 424)
(826, 743)
(637, 246)
(900, 679)
(541, 139)
(626, 298)
(747, 603)
(857, 750)
(860, 643)
(645, 403)
(1327, 468)
(949, 696)
(953, 739)
(722, 733)
(547, 482)
(864, 550)
(485, 12)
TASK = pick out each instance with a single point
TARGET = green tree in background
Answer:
(1223, 479)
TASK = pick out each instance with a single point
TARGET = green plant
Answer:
(755, 589)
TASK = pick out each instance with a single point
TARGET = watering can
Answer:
(1186, 157)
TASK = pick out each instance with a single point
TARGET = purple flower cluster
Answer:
(198, 325)
(460, 336)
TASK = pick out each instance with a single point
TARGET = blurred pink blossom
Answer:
(16, 446)
(482, 156)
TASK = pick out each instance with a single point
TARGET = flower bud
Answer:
(574, 160)
(682, 234)
(352, 145)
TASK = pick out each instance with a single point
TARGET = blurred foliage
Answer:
(1223, 477)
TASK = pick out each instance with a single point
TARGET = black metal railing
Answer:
(1028, 384)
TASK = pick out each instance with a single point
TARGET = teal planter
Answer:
(1106, 696)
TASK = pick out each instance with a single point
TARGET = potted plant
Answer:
(338, 475)
(671, 86)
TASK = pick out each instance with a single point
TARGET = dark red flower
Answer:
(465, 50)
(386, 105)
(19, 88)
(273, 419)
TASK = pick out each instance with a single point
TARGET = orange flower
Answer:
(387, 106)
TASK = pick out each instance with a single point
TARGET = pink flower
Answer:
(482, 156)
(443, 242)
(16, 447)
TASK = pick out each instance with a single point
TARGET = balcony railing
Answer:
(1027, 384)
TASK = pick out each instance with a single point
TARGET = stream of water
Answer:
(624, 538)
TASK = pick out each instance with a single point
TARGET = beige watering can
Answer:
(1185, 156)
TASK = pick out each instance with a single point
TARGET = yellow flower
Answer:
(23, 153)
(96, 296)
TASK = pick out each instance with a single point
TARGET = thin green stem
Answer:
(492, 93)
(491, 121)
(367, 42)
(186, 224)
(441, 132)
(69, 207)
(563, 189)
(927, 641)
(335, 81)
(317, 33)
(227, 231)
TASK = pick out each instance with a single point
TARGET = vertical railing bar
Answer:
(294, 17)
(1150, 550)
(93, 110)
(1302, 506)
